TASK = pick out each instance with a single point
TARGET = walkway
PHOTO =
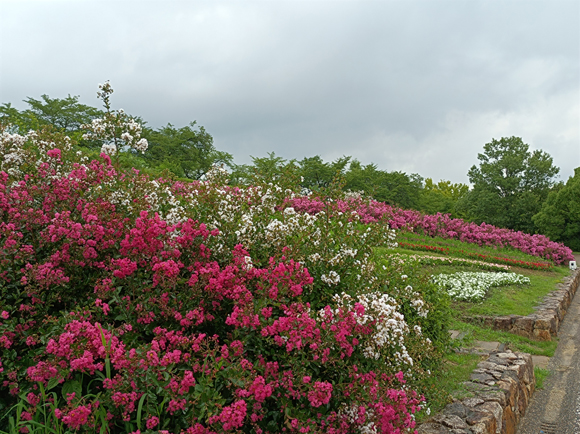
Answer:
(556, 408)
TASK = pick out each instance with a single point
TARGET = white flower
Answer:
(474, 286)
(142, 145)
(333, 278)
(109, 149)
(127, 137)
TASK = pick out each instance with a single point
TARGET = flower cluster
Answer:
(508, 261)
(424, 247)
(442, 225)
(116, 130)
(473, 286)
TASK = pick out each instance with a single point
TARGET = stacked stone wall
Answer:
(545, 321)
(500, 390)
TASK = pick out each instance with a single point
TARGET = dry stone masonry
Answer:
(501, 388)
(545, 321)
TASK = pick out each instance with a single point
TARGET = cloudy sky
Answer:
(414, 86)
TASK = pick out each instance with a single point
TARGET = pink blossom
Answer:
(152, 422)
(321, 394)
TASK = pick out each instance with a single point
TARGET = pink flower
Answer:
(321, 394)
(4, 315)
(233, 416)
(54, 153)
(152, 422)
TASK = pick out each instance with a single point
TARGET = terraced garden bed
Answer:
(434, 256)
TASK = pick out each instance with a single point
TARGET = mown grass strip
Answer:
(513, 342)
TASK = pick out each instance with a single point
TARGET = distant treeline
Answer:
(512, 187)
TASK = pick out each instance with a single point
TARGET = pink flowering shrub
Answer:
(442, 225)
(132, 304)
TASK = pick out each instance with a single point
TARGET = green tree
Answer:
(188, 152)
(316, 174)
(394, 188)
(442, 197)
(559, 217)
(66, 115)
(272, 168)
(510, 184)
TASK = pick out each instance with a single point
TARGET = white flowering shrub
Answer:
(116, 130)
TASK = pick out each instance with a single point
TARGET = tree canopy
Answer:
(188, 152)
(66, 115)
(442, 197)
(559, 217)
(509, 185)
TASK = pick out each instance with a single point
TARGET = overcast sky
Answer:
(414, 86)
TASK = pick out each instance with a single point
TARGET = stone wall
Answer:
(545, 321)
(501, 389)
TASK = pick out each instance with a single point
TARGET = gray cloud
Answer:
(415, 86)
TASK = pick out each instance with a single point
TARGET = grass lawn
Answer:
(512, 299)
(507, 252)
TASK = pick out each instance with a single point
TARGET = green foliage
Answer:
(442, 197)
(541, 374)
(187, 152)
(509, 185)
(66, 115)
(394, 188)
(267, 169)
(316, 174)
(559, 217)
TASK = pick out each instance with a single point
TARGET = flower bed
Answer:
(424, 247)
(482, 257)
(444, 226)
(509, 261)
(473, 286)
(430, 260)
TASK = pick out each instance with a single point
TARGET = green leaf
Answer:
(139, 410)
(72, 386)
(52, 383)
